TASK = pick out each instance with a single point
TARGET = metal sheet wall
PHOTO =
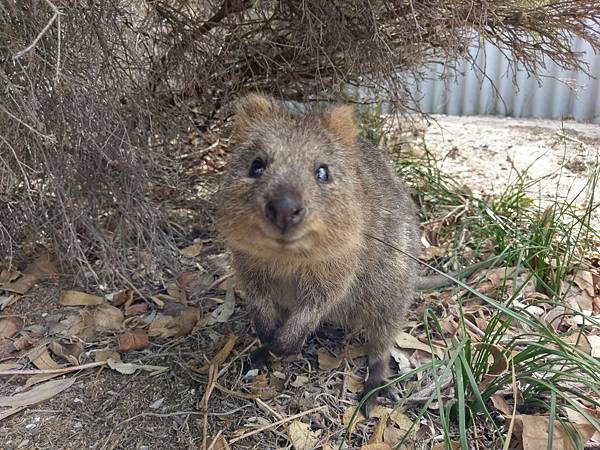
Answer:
(471, 93)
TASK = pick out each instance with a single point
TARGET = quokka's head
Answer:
(292, 188)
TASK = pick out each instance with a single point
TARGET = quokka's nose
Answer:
(285, 210)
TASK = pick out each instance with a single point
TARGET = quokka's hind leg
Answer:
(379, 346)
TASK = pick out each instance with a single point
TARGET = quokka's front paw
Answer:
(389, 392)
(286, 345)
(265, 332)
(258, 358)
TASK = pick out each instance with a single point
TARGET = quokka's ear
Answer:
(340, 121)
(252, 109)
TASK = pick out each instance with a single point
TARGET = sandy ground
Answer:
(488, 154)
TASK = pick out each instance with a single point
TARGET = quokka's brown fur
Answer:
(328, 267)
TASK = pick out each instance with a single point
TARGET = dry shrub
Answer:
(89, 91)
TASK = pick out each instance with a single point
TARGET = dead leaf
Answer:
(326, 361)
(40, 378)
(70, 352)
(179, 322)
(76, 298)
(585, 281)
(84, 327)
(136, 309)
(347, 417)
(395, 416)
(193, 250)
(130, 368)
(356, 351)
(39, 269)
(36, 395)
(500, 404)
(40, 358)
(195, 282)
(9, 327)
(9, 366)
(221, 444)
(133, 340)
(187, 320)
(499, 275)
(354, 384)
(580, 341)
(533, 432)
(105, 355)
(301, 436)
(377, 435)
(594, 342)
(124, 297)
(405, 340)
(8, 275)
(108, 317)
(393, 435)
(224, 311)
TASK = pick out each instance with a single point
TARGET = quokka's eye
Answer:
(257, 168)
(322, 174)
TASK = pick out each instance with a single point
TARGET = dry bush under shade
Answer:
(89, 91)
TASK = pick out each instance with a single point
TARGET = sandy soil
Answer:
(487, 154)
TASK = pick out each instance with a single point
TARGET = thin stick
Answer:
(276, 424)
(41, 33)
(269, 409)
(50, 371)
(214, 440)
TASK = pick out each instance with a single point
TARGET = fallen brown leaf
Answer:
(221, 444)
(136, 308)
(354, 384)
(500, 404)
(405, 340)
(347, 417)
(69, 351)
(130, 368)
(178, 322)
(9, 327)
(84, 327)
(105, 355)
(124, 297)
(585, 281)
(76, 298)
(8, 275)
(40, 358)
(108, 317)
(38, 394)
(40, 268)
(594, 342)
(533, 432)
(301, 436)
(133, 340)
(327, 361)
(377, 435)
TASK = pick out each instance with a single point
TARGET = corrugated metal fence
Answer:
(472, 93)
